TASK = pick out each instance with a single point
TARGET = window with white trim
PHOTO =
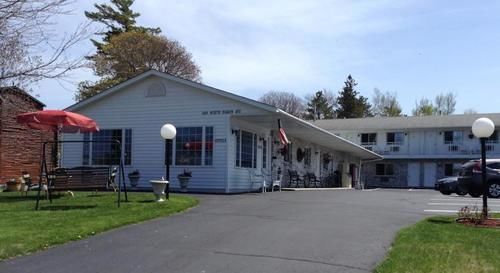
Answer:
(264, 154)
(395, 138)
(246, 149)
(453, 137)
(369, 139)
(194, 146)
(384, 169)
(104, 151)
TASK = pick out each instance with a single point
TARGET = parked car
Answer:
(470, 177)
(449, 185)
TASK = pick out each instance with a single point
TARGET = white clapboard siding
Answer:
(182, 106)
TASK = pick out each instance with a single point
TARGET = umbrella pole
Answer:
(42, 163)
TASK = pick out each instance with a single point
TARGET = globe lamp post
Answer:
(168, 133)
(483, 128)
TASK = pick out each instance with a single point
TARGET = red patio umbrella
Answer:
(58, 121)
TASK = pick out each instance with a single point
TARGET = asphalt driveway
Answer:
(320, 231)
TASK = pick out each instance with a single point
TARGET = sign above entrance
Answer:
(222, 112)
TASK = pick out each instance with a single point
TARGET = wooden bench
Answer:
(82, 178)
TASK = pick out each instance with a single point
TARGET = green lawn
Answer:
(440, 245)
(24, 230)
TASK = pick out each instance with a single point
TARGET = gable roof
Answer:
(18, 91)
(167, 76)
(393, 123)
(328, 138)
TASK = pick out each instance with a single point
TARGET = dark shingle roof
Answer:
(15, 89)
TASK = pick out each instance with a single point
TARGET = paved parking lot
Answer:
(310, 231)
(450, 204)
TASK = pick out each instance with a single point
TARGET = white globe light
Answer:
(483, 127)
(168, 131)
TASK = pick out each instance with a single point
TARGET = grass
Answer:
(24, 230)
(440, 245)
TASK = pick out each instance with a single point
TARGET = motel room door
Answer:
(430, 170)
(413, 175)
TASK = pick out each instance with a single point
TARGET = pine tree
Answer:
(118, 18)
(350, 103)
(127, 50)
(319, 107)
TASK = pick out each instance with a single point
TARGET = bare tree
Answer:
(385, 104)
(31, 50)
(424, 108)
(470, 111)
(445, 103)
(286, 101)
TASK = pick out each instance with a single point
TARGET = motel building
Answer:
(225, 140)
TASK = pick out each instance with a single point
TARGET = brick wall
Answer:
(20, 146)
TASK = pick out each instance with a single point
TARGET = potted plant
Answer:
(134, 177)
(184, 178)
(13, 185)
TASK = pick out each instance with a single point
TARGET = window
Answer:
(453, 137)
(448, 169)
(209, 145)
(106, 152)
(246, 149)
(493, 138)
(238, 145)
(264, 154)
(395, 138)
(384, 169)
(86, 149)
(307, 157)
(369, 139)
(255, 151)
(495, 166)
(193, 146)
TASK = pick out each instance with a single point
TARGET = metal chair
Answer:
(294, 177)
(313, 180)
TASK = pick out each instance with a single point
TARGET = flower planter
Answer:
(159, 189)
(13, 185)
(183, 182)
(134, 180)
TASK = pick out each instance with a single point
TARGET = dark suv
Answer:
(470, 177)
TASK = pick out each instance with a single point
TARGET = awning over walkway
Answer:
(299, 128)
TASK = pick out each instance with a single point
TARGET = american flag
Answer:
(283, 138)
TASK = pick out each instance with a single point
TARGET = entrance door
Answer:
(430, 169)
(353, 170)
(413, 178)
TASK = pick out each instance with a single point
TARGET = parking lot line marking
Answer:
(465, 199)
(450, 211)
(461, 204)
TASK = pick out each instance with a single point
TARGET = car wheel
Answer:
(460, 190)
(475, 193)
(445, 192)
(494, 190)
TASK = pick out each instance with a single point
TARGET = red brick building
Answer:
(20, 146)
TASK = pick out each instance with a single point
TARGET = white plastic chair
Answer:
(277, 182)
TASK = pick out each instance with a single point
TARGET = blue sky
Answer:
(415, 48)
